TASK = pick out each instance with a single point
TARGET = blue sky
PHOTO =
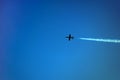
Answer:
(36, 49)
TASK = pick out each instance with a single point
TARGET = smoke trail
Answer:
(102, 40)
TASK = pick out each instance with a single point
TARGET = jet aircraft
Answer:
(69, 37)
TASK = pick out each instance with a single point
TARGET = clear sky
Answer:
(33, 44)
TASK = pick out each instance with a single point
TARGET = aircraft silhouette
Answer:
(69, 37)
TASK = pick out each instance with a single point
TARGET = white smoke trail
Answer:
(102, 40)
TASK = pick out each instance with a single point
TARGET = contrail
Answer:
(102, 40)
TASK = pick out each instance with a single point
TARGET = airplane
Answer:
(69, 37)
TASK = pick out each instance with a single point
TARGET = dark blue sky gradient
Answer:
(36, 49)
